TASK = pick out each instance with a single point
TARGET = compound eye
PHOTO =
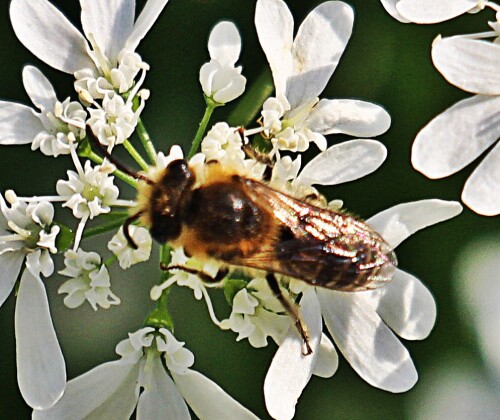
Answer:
(177, 173)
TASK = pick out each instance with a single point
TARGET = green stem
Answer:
(103, 228)
(110, 260)
(211, 105)
(135, 154)
(160, 317)
(251, 102)
(146, 141)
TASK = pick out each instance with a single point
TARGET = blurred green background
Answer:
(385, 62)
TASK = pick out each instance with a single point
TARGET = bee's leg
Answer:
(292, 310)
(254, 154)
(206, 278)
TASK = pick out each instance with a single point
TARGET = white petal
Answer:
(347, 116)
(39, 89)
(318, 46)
(457, 136)
(11, 263)
(343, 162)
(163, 399)
(18, 123)
(406, 306)
(274, 24)
(366, 342)
(224, 43)
(390, 7)
(207, 399)
(328, 359)
(41, 371)
(46, 32)
(150, 12)
(106, 392)
(109, 22)
(290, 369)
(432, 11)
(482, 190)
(399, 222)
(470, 64)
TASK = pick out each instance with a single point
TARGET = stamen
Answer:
(209, 306)
(76, 161)
(253, 131)
(156, 291)
(137, 86)
(79, 231)
(101, 61)
(11, 238)
(23, 232)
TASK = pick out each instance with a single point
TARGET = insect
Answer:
(215, 213)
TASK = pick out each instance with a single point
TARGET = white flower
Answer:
(257, 314)
(301, 69)
(430, 11)
(128, 256)
(27, 234)
(109, 27)
(52, 128)
(193, 281)
(115, 121)
(363, 324)
(139, 382)
(219, 78)
(464, 131)
(88, 192)
(89, 281)
(224, 145)
(458, 387)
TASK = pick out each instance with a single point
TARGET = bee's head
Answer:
(161, 201)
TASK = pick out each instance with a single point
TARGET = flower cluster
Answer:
(154, 375)
(463, 132)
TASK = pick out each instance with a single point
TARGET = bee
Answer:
(214, 213)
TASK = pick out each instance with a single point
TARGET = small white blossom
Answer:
(105, 58)
(224, 145)
(115, 121)
(193, 281)
(28, 234)
(301, 69)
(128, 256)
(219, 78)
(88, 192)
(120, 79)
(89, 281)
(139, 382)
(257, 314)
(52, 129)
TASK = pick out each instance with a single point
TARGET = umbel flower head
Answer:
(27, 235)
(52, 128)
(139, 382)
(110, 29)
(463, 132)
(301, 69)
